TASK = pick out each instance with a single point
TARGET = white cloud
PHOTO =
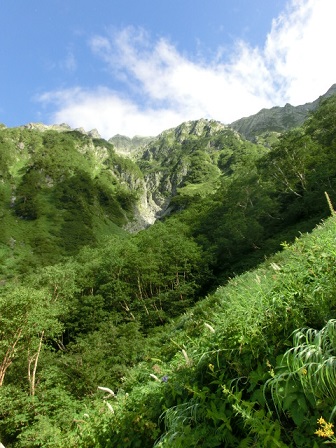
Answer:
(108, 112)
(165, 87)
(301, 48)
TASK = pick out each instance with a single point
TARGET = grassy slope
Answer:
(218, 358)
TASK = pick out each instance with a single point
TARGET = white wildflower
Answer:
(209, 327)
(109, 406)
(106, 389)
(154, 377)
(276, 267)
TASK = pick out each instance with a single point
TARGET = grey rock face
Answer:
(94, 133)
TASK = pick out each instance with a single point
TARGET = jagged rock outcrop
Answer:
(161, 175)
(94, 133)
(195, 128)
(277, 119)
(47, 127)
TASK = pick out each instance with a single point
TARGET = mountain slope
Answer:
(62, 189)
(187, 161)
(277, 119)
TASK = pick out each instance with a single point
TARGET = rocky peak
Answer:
(94, 133)
(129, 146)
(195, 128)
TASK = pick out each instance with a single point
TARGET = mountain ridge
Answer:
(180, 163)
(277, 118)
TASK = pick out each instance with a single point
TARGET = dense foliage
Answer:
(59, 191)
(111, 339)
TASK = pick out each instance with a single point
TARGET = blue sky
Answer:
(142, 66)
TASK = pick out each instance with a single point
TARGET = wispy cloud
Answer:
(67, 64)
(70, 63)
(165, 87)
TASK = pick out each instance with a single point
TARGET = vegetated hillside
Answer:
(60, 190)
(229, 372)
(251, 365)
(125, 312)
(63, 189)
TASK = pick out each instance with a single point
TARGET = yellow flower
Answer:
(321, 421)
(319, 433)
(271, 370)
(325, 429)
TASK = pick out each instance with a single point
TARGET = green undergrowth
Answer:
(217, 376)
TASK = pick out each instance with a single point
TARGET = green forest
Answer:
(213, 327)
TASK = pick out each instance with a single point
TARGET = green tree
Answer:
(28, 318)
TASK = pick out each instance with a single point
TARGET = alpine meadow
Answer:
(170, 291)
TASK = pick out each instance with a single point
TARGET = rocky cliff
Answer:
(184, 162)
